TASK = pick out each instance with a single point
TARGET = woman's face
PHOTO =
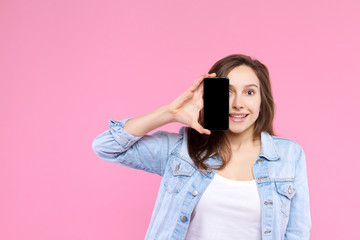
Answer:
(244, 98)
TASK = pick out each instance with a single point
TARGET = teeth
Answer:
(238, 116)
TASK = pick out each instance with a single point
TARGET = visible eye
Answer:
(251, 91)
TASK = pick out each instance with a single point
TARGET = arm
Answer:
(127, 144)
(299, 224)
(140, 126)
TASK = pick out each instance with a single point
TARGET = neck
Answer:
(244, 140)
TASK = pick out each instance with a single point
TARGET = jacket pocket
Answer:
(177, 175)
(286, 192)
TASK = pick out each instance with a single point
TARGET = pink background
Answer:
(68, 67)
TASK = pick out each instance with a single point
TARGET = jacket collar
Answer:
(268, 148)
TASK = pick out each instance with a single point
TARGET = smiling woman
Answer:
(250, 94)
(240, 183)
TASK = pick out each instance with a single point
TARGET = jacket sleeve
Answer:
(149, 152)
(299, 224)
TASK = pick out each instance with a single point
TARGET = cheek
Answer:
(257, 103)
(255, 106)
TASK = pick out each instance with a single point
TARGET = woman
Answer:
(242, 183)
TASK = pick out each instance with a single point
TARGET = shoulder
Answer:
(286, 142)
(288, 147)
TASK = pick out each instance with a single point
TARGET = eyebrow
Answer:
(249, 85)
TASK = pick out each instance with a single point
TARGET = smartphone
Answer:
(216, 103)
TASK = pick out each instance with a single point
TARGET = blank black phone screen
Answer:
(216, 103)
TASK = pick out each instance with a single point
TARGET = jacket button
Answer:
(209, 170)
(290, 190)
(259, 160)
(178, 166)
(194, 192)
(183, 219)
(109, 131)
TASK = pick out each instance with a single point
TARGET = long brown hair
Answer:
(201, 146)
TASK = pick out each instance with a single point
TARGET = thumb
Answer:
(200, 129)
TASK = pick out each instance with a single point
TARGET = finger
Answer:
(201, 85)
(199, 80)
(210, 75)
(201, 130)
(206, 75)
(197, 83)
(206, 131)
(201, 88)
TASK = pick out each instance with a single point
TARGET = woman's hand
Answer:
(186, 107)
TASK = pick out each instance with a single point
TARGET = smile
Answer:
(238, 118)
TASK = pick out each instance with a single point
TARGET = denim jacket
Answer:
(279, 170)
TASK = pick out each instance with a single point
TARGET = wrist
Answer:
(168, 114)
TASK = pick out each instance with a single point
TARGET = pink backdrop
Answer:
(68, 67)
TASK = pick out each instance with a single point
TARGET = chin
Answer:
(239, 129)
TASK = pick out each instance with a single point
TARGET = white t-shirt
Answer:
(227, 210)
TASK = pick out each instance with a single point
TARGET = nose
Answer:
(237, 103)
